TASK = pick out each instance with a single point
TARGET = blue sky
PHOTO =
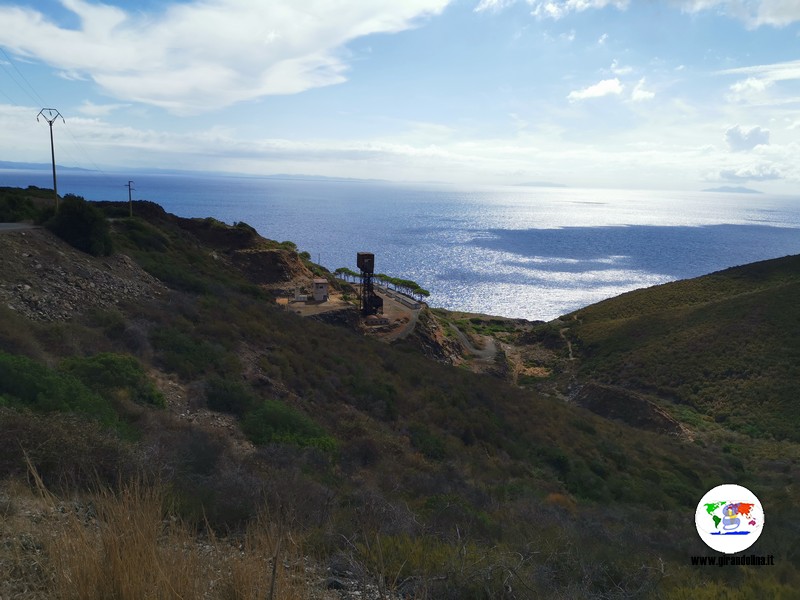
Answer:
(683, 94)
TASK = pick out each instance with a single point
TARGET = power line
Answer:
(85, 153)
(38, 99)
(9, 98)
(14, 79)
(34, 95)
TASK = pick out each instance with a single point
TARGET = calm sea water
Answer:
(524, 252)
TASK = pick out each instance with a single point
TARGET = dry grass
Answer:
(126, 544)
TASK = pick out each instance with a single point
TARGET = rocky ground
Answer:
(47, 280)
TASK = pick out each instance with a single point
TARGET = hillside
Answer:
(717, 349)
(360, 466)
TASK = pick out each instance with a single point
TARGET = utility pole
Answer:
(130, 202)
(50, 115)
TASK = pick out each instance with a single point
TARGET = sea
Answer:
(515, 251)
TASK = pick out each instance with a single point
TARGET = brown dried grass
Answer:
(127, 544)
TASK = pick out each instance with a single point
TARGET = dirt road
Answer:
(486, 353)
(16, 227)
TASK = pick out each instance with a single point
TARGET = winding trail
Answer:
(569, 344)
(487, 353)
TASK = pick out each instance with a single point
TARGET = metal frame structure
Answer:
(371, 303)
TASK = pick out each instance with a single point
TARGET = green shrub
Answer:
(106, 373)
(429, 444)
(67, 450)
(555, 457)
(144, 235)
(274, 421)
(175, 274)
(245, 227)
(15, 207)
(185, 354)
(428, 567)
(227, 395)
(44, 215)
(82, 225)
(25, 382)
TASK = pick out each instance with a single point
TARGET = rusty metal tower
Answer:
(371, 303)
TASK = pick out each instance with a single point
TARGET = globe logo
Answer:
(729, 518)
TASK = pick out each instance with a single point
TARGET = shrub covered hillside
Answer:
(724, 347)
(287, 458)
(20, 205)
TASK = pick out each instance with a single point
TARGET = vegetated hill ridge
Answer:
(723, 348)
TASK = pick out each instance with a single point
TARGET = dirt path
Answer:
(396, 311)
(487, 353)
(569, 344)
(4, 227)
(181, 404)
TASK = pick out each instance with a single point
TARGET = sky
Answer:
(650, 94)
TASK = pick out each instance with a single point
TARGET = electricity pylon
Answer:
(50, 115)
(130, 202)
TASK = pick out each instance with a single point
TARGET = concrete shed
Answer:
(320, 290)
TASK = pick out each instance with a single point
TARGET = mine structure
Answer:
(371, 303)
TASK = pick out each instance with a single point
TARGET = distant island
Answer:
(25, 166)
(733, 190)
(301, 177)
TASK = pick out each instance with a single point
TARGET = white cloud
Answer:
(72, 76)
(783, 71)
(602, 39)
(778, 12)
(557, 9)
(740, 139)
(756, 172)
(493, 5)
(206, 54)
(748, 90)
(617, 69)
(755, 13)
(758, 80)
(90, 109)
(640, 94)
(607, 87)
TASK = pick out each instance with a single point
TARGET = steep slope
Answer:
(725, 346)
(412, 474)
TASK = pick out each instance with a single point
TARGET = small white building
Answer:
(320, 290)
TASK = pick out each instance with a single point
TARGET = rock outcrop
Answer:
(429, 336)
(266, 266)
(628, 407)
